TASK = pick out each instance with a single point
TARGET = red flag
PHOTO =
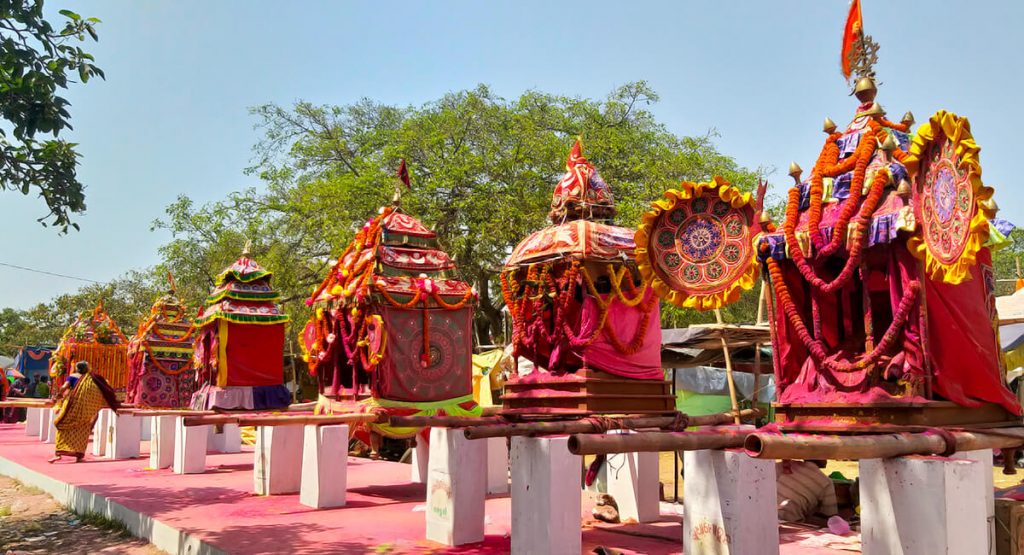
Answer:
(403, 174)
(851, 34)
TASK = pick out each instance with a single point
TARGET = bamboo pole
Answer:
(441, 421)
(723, 335)
(594, 425)
(141, 413)
(280, 419)
(647, 442)
(19, 403)
(880, 446)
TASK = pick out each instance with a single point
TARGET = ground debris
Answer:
(32, 522)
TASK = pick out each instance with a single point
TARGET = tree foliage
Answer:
(37, 60)
(483, 169)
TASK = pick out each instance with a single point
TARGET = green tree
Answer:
(483, 169)
(37, 60)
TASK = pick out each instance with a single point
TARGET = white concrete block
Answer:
(101, 432)
(924, 505)
(632, 479)
(456, 488)
(33, 421)
(420, 458)
(546, 496)
(226, 438)
(985, 457)
(124, 437)
(189, 447)
(50, 430)
(278, 460)
(161, 446)
(497, 465)
(147, 428)
(324, 466)
(730, 504)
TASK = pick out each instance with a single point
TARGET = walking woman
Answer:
(79, 402)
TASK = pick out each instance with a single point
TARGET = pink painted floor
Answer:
(384, 509)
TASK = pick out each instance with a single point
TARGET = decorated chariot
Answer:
(580, 310)
(95, 338)
(239, 342)
(160, 364)
(392, 329)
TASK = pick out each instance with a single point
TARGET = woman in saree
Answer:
(79, 402)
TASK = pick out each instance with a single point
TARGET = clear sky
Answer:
(172, 116)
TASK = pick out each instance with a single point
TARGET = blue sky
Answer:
(172, 116)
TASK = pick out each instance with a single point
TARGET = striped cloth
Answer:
(803, 490)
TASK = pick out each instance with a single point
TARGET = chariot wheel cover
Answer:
(950, 203)
(696, 246)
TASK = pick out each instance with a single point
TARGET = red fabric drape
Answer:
(962, 346)
(254, 354)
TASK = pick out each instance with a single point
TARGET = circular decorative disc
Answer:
(952, 206)
(696, 246)
(946, 199)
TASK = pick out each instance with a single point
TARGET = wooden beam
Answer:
(647, 442)
(596, 425)
(878, 446)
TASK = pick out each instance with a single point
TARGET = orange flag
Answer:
(851, 33)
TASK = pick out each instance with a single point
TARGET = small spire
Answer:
(247, 248)
(829, 126)
(908, 118)
(795, 171)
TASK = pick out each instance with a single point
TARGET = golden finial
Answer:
(829, 126)
(865, 89)
(794, 171)
(875, 110)
(888, 146)
(908, 119)
(904, 188)
(765, 217)
(248, 248)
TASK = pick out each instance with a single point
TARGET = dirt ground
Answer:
(33, 522)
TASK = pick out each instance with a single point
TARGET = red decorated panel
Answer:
(415, 260)
(402, 376)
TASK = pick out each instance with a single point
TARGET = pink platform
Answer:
(384, 509)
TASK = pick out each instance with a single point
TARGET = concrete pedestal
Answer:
(925, 505)
(189, 447)
(632, 479)
(124, 437)
(101, 432)
(456, 488)
(324, 466)
(33, 421)
(226, 438)
(420, 457)
(146, 431)
(49, 432)
(161, 446)
(984, 456)
(546, 496)
(278, 463)
(730, 504)
(497, 466)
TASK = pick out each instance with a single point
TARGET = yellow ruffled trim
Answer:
(689, 190)
(958, 130)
